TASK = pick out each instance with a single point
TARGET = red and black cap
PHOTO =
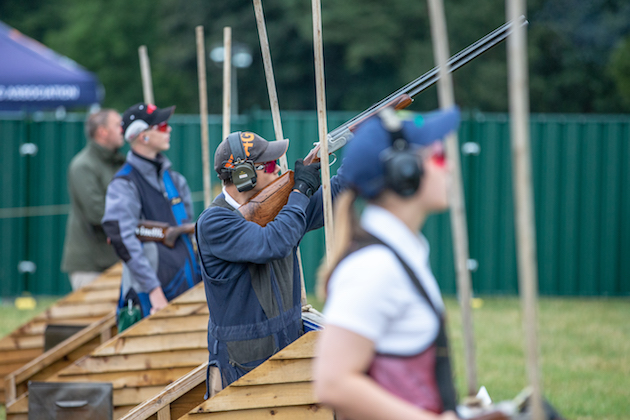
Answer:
(141, 116)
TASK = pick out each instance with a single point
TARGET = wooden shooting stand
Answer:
(92, 305)
(279, 389)
(143, 359)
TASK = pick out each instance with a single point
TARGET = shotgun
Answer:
(148, 230)
(263, 207)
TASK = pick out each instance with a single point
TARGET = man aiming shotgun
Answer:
(250, 272)
(263, 206)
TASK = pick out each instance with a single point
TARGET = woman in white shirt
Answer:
(383, 353)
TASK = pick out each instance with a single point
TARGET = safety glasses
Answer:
(436, 153)
(269, 167)
(163, 127)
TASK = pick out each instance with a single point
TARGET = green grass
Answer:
(11, 318)
(584, 351)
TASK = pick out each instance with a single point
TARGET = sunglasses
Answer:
(436, 154)
(269, 167)
(163, 127)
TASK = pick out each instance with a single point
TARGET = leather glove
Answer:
(307, 177)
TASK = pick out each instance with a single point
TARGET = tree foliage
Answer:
(579, 51)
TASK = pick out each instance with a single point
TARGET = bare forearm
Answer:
(359, 397)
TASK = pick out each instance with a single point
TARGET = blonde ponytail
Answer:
(346, 225)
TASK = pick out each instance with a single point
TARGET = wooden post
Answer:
(523, 198)
(271, 84)
(273, 102)
(227, 80)
(203, 113)
(320, 85)
(145, 71)
(458, 206)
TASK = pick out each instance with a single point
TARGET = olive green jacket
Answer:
(89, 174)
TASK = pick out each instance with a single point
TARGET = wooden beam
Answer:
(279, 371)
(177, 389)
(524, 198)
(300, 412)
(259, 396)
(149, 344)
(138, 362)
(227, 81)
(456, 192)
(145, 72)
(203, 114)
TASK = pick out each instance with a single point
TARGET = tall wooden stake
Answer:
(227, 80)
(145, 72)
(275, 108)
(523, 198)
(458, 206)
(320, 85)
(203, 113)
(271, 84)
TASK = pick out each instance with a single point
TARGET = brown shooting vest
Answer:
(425, 379)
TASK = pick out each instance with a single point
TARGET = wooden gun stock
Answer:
(148, 230)
(263, 207)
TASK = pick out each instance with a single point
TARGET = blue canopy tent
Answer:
(34, 77)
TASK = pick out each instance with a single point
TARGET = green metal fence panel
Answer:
(580, 179)
(12, 188)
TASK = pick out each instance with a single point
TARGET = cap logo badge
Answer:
(248, 141)
(151, 108)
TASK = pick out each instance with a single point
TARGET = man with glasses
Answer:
(251, 274)
(146, 188)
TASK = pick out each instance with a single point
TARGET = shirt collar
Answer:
(228, 198)
(390, 229)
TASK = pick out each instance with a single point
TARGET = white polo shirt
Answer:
(371, 294)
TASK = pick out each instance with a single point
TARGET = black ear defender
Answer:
(243, 173)
(403, 168)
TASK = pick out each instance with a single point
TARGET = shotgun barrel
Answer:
(403, 97)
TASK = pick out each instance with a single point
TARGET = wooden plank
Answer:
(82, 309)
(174, 391)
(177, 310)
(99, 295)
(17, 417)
(150, 344)
(20, 405)
(25, 342)
(24, 355)
(119, 380)
(135, 395)
(301, 412)
(195, 295)
(164, 414)
(170, 325)
(279, 371)
(49, 371)
(120, 411)
(136, 362)
(82, 338)
(188, 401)
(259, 396)
(304, 347)
(7, 368)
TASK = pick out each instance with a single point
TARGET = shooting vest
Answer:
(425, 379)
(177, 268)
(253, 314)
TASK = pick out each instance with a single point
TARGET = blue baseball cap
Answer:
(363, 166)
